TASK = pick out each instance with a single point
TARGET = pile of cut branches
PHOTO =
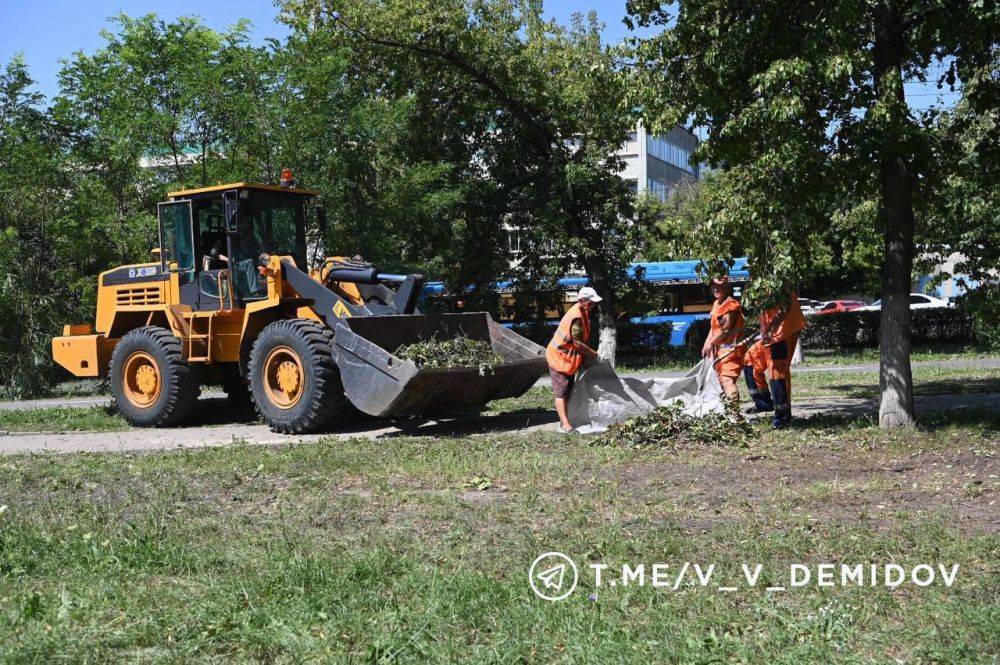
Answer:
(668, 426)
(458, 351)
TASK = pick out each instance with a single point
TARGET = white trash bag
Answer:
(601, 398)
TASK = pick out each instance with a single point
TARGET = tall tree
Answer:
(173, 98)
(56, 234)
(31, 201)
(805, 102)
(527, 116)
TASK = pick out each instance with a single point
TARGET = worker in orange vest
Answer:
(727, 324)
(779, 333)
(567, 351)
(755, 373)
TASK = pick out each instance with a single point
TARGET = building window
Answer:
(514, 241)
(669, 153)
(657, 188)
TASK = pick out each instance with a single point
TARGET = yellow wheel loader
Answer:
(229, 302)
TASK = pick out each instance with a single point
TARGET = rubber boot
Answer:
(782, 405)
(761, 396)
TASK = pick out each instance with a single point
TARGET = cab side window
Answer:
(177, 239)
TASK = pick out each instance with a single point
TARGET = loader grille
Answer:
(142, 295)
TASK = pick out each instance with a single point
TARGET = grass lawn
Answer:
(926, 381)
(920, 353)
(63, 419)
(417, 549)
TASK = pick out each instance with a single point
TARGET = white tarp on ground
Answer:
(600, 397)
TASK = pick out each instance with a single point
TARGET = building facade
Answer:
(654, 164)
(658, 163)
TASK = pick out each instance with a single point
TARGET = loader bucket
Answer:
(380, 384)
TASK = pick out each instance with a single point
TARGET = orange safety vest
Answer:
(562, 354)
(728, 305)
(793, 322)
(730, 361)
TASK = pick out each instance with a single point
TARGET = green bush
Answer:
(982, 306)
(844, 330)
(860, 329)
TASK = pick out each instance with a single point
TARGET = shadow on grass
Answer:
(218, 411)
(973, 416)
(957, 349)
(472, 424)
(951, 411)
(956, 386)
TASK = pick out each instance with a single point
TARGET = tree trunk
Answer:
(895, 375)
(607, 328)
(896, 184)
(608, 337)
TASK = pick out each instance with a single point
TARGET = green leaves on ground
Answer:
(668, 426)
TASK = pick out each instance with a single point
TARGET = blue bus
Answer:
(680, 296)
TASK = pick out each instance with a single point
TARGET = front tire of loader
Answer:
(294, 378)
(153, 385)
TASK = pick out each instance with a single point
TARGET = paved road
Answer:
(981, 363)
(215, 425)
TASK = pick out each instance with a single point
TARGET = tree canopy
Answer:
(523, 115)
(438, 133)
(433, 135)
(805, 107)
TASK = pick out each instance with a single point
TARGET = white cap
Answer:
(587, 293)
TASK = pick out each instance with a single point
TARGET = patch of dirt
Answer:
(483, 497)
(840, 485)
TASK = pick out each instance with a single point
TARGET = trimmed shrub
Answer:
(843, 330)
(983, 305)
(860, 329)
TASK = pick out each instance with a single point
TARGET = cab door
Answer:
(177, 239)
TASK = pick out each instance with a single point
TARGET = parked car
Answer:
(834, 306)
(917, 301)
(809, 305)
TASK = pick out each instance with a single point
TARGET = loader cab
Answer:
(213, 238)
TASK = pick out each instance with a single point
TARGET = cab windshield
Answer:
(277, 223)
(271, 223)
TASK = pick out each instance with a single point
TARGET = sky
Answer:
(45, 31)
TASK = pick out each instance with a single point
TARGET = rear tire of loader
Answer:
(294, 378)
(153, 385)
